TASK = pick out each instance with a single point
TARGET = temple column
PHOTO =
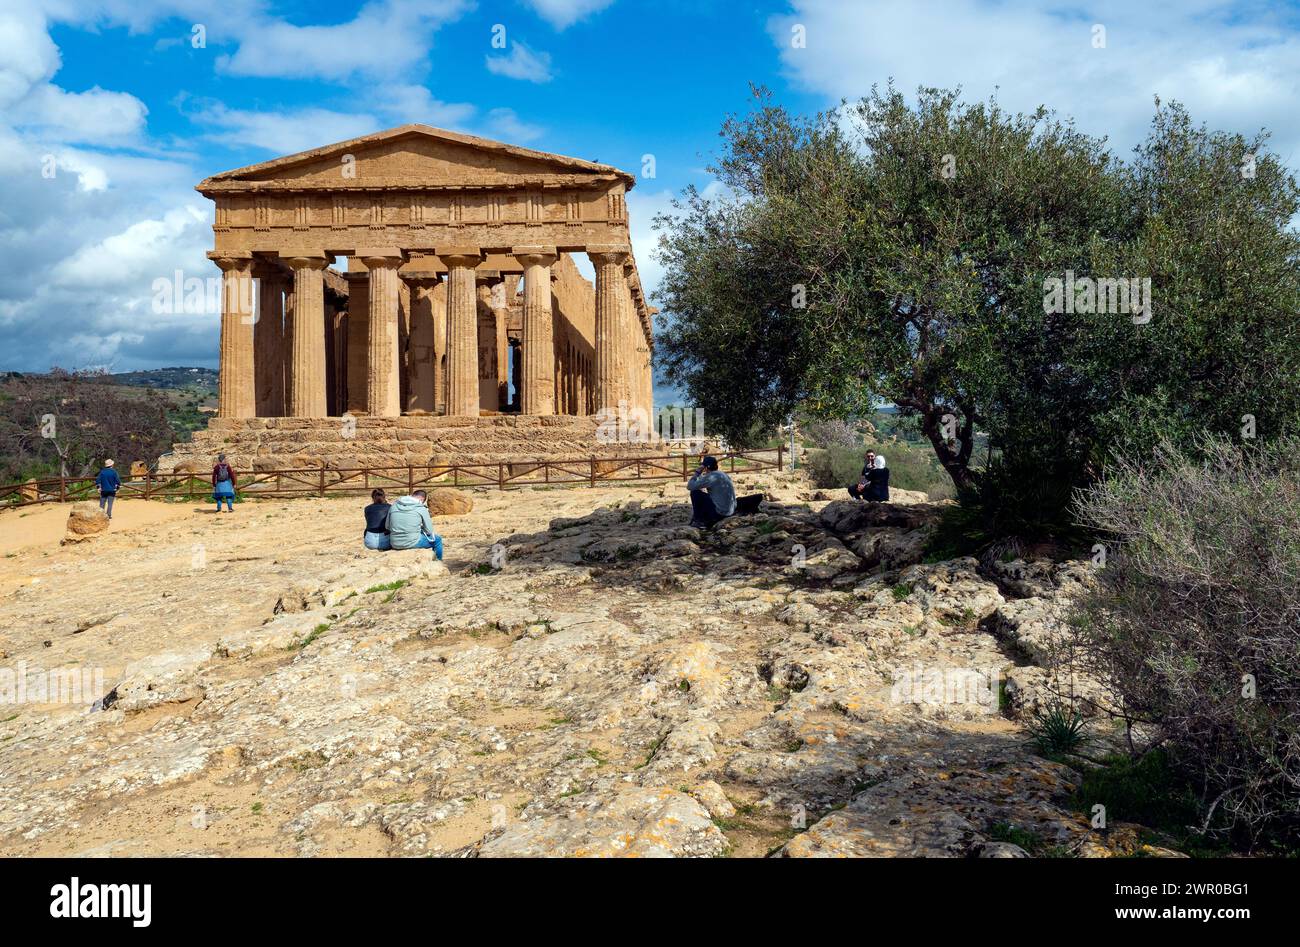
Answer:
(462, 331)
(583, 408)
(539, 339)
(383, 370)
(631, 342)
(425, 371)
(268, 345)
(331, 373)
(610, 290)
(648, 379)
(236, 387)
(306, 380)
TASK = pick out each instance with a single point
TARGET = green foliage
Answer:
(910, 468)
(1193, 619)
(1014, 835)
(833, 467)
(843, 268)
(1150, 791)
(1057, 730)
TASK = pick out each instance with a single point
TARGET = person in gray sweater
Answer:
(410, 526)
(713, 498)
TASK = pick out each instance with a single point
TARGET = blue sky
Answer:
(115, 97)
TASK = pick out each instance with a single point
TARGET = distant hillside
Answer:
(168, 378)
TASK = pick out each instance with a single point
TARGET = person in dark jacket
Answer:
(223, 484)
(109, 483)
(873, 482)
(862, 489)
(376, 534)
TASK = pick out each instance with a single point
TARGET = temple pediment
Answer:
(416, 157)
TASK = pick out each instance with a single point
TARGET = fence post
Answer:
(501, 476)
(593, 471)
(410, 479)
(63, 489)
(148, 484)
(685, 470)
(780, 456)
(322, 481)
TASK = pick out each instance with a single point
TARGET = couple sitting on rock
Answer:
(713, 497)
(873, 482)
(405, 524)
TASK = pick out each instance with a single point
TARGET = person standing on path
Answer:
(109, 483)
(223, 484)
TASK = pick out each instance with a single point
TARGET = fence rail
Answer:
(324, 481)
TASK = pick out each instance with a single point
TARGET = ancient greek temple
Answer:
(460, 298)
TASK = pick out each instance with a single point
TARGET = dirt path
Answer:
(40, 527)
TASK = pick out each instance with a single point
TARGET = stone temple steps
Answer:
(290, 443)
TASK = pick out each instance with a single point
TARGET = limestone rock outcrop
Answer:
(586, 675)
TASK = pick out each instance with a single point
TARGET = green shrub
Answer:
(1150, 791)
(1057, 730)
(1194, 620)
(910, 468)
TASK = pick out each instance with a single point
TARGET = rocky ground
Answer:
(587, 676)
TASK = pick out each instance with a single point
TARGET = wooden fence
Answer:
(324, 481)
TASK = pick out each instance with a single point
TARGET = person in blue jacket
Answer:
(109, 483)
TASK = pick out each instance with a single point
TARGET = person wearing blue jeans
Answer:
(410, 526)
(223, 484)
(434, 543)
(376, 534)
(109, 483)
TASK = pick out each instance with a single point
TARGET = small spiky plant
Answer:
(1057, 730)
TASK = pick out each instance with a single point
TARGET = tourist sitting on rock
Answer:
(873, 482)
(410, 526)
(376, 534)
(223, 484)
(713, 498)
(109, 483)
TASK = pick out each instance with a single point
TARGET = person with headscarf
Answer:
(873, 481)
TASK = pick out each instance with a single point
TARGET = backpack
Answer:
(223, 473)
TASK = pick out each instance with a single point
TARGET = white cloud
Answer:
(385, 38)
(404, 104)
(28, 61)
(522, 63)
(143, 251)
(1235, 68)
(119, 210)
(562, 14)
(504, 124)
(283, 133)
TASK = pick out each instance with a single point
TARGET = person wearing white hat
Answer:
(109, 483)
